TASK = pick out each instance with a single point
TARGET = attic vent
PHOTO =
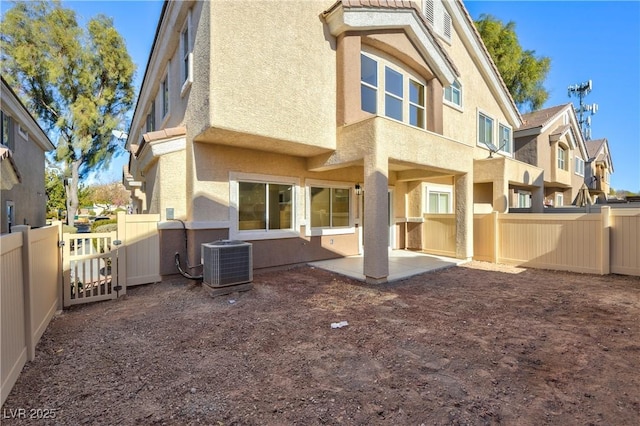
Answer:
(447, 25)
(227, 263)
(428, 10)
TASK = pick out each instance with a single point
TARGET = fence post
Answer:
(26, 286)
(605, 213)
(122, 251)
(495, 236)
(58, 224)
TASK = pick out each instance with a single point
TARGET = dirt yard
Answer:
(478, 344)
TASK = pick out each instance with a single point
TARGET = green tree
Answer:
(521, 70)
(77, 82)
(55, 190)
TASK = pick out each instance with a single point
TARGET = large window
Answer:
(562, 158)
(559, 200)
(579, 166)
(265, 206)
(401, 96)
(369, 84)
(506, 142)
(330, 207)
(485, 130)
(453, 93)
(6, 131)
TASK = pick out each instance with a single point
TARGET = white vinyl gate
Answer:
(90, 268)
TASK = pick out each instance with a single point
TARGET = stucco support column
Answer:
(537, 200)
(376, 218)
(464, 216)
(501, 195)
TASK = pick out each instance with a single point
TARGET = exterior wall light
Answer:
(358, 189)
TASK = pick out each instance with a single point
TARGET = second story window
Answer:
(562, 158)
(485, 130)
(151, 118)
(453, 93)
(6, 131)
(164, 88)
(186, 55)
(505, 142)
(400, 95)
(579, 166)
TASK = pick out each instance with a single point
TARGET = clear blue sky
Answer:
(586, 40)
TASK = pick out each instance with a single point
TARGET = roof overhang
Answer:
(341, 19)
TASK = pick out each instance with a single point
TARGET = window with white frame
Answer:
(329, 207)
(579, 166)
(453, 93)
(562, 158)
(400, 95)
(559, 199)
(164, 93)
(439, 199)
(151, 118)
(186, 54)
(485, 130)
(524, 199)
(265, 206)
(506, 141)
(6, 131)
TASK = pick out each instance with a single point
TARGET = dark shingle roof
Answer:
(541, 117)
(594, 146)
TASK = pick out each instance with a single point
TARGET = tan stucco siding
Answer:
(276, 77)
(462, 123)
(173, 183)
(214, 163)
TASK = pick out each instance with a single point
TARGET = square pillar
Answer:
(464, 215)
(376, 220)
(501, 196)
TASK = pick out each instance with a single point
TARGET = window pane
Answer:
(433, 202)
(416, 92)
(447, 93)
(416, 116)
(280, 207)
(443, 206)
(340, 207)
(251, 205)
(456, 97)
(393, 107)
(368, 70)
(320, 207)
(393, 82)
(368, 99)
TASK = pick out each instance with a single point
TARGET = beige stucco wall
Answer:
(462, 123)
(274, 77)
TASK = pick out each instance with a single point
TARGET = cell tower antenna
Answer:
(581, 90)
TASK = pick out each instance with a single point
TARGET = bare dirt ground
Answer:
(478, 344)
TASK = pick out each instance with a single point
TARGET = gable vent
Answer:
(447, 25)
(429, 10)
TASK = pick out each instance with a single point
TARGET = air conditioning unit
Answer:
(227, 263)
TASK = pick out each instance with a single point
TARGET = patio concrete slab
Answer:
(402, 264)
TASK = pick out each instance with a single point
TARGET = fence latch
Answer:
(61, 243)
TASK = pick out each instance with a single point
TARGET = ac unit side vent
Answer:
(227, 263)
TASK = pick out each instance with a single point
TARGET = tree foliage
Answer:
(77, 82)
(55, 190)
(521, 70)
(109, 194)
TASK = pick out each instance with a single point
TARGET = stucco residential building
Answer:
(319, 129)
(551, 139)
(599, 169)
(24, 144)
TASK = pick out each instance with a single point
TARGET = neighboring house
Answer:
(319, 129)
(23, 202)
(599, 169)
(551, 139)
